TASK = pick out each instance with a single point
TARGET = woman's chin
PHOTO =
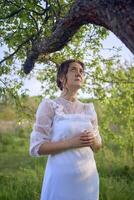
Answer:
(77, 86)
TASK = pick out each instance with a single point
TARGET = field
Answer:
(21, 176)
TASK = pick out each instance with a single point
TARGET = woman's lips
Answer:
(78, 79)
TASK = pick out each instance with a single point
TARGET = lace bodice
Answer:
(48, 109)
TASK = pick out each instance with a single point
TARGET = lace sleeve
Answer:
(42, 127)
(94, 120)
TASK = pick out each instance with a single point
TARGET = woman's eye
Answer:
(73, 69)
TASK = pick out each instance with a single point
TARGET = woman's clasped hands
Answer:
(85, 139)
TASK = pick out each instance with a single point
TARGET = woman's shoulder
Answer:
(51, 103)
(47, 107)
(44, 107)
(47, 102)
(88, 105)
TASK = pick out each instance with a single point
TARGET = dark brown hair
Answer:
(63, 69)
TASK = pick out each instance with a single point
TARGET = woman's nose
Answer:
(78, 74)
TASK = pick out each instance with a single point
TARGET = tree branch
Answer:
(106, 13)
(41, 13)
(18, 48)
(15, 12)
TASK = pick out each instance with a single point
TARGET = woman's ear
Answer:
(63, 81)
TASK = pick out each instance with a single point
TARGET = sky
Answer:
(34, 86)
(111, 41)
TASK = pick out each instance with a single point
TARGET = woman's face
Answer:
(74, 76)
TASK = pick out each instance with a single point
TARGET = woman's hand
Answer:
(84, 139)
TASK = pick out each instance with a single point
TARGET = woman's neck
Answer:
(69, 95)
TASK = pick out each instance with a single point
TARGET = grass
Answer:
(21, 175)
(23, 184)
(116, 188)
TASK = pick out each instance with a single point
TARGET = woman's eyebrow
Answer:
(73, 67)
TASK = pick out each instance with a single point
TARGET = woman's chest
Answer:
(70, 125)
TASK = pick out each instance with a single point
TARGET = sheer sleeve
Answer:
(42, 127)
(94, 120)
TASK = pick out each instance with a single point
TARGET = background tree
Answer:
(24, 23)
(61, 27)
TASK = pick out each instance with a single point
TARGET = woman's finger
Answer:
(87, 137)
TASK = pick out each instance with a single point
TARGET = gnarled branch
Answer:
(115, 15)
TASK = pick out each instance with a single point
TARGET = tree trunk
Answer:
(115, 15)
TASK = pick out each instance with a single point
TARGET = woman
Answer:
(67, 131)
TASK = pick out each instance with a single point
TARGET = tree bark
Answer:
(115, 15)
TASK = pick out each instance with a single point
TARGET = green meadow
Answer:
(21, 176)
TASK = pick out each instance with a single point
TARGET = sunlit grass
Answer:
(21, 175)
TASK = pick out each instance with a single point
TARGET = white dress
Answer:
(70, 174)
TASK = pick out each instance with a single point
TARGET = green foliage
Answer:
(117, 124)
(21, 23)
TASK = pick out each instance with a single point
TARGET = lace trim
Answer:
(58, 109)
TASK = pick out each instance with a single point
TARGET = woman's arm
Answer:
(78, 141)
(54, 147)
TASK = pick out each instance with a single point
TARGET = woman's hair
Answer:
(63, 69)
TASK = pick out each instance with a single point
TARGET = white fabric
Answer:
(72, 174)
